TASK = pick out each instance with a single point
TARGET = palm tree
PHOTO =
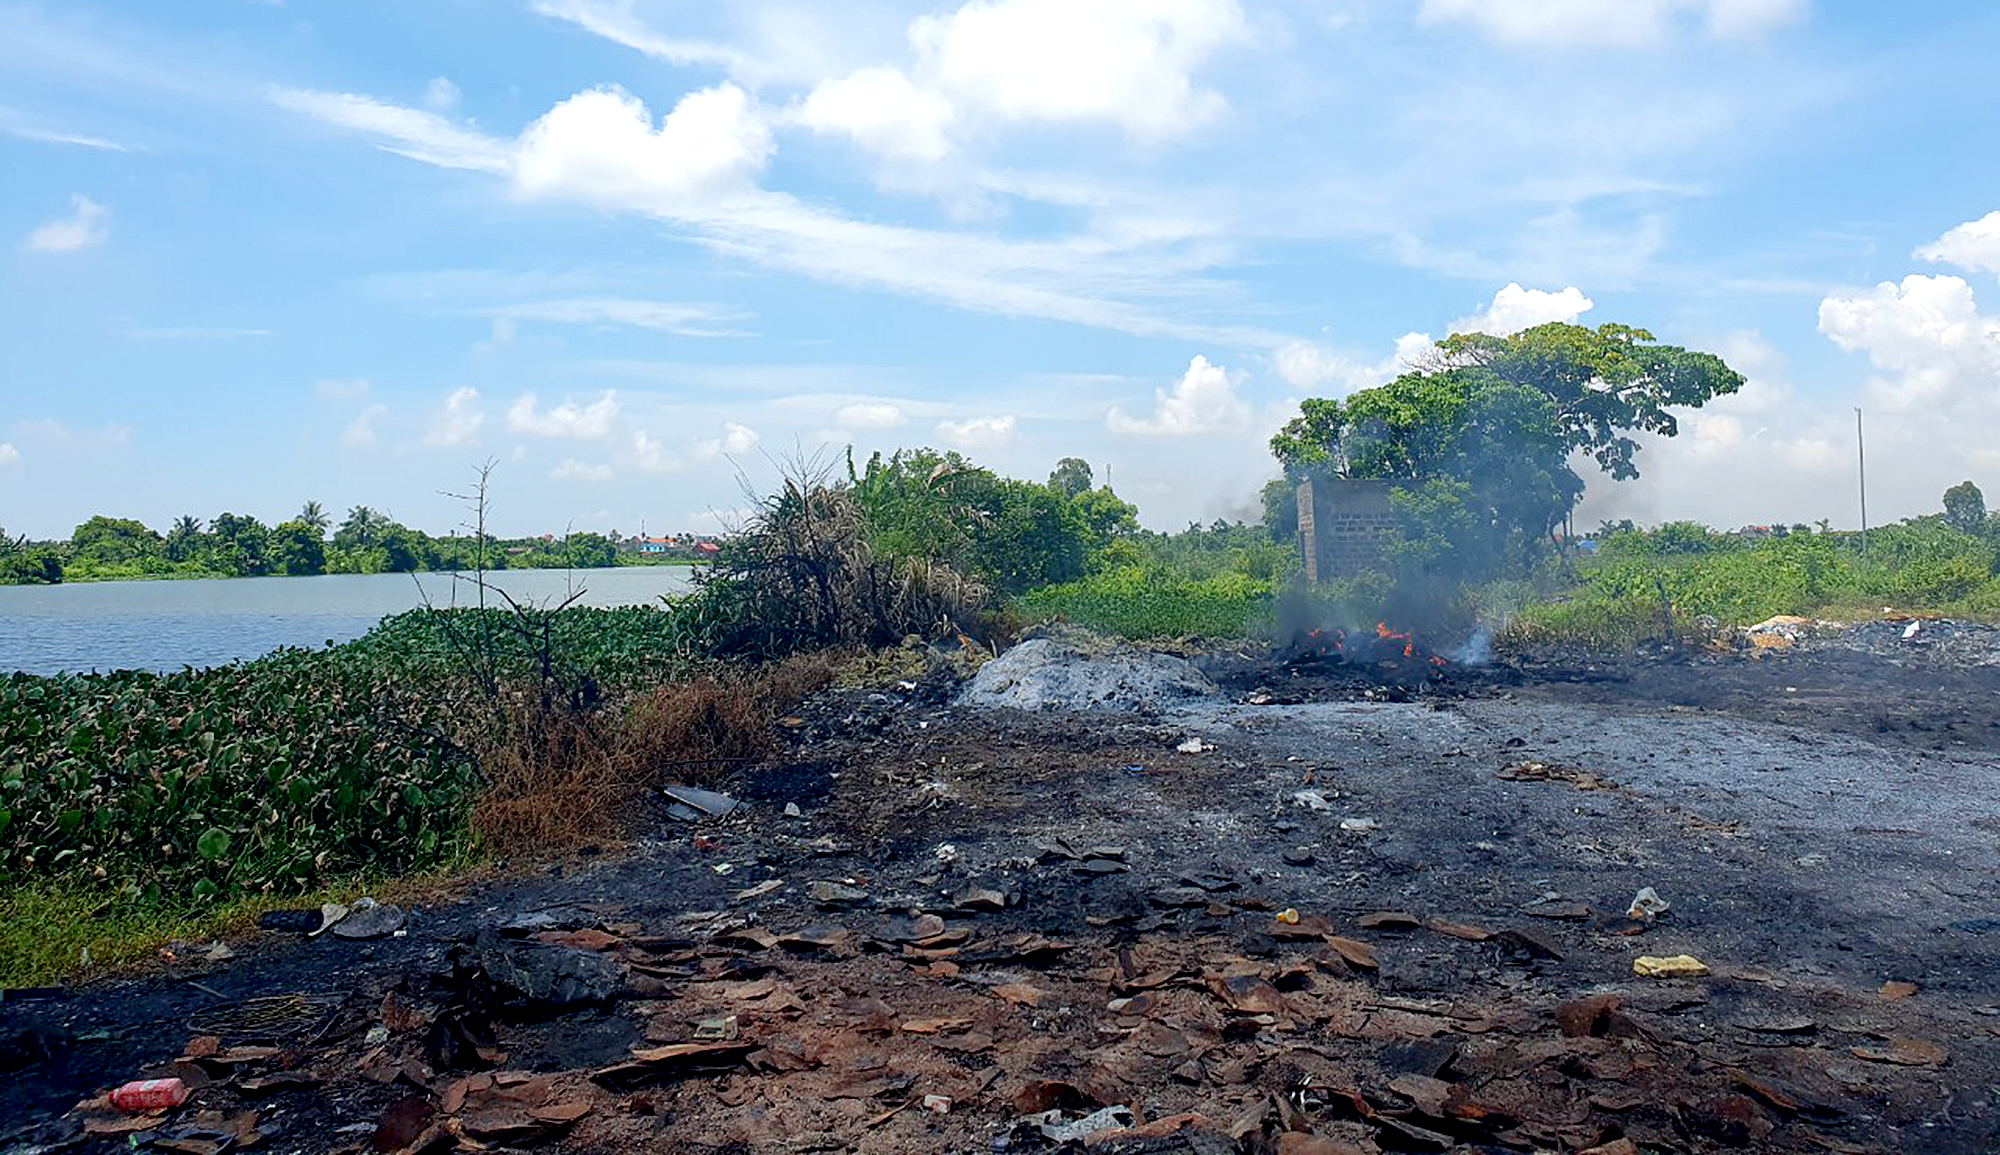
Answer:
(313, 516)
(181, 539)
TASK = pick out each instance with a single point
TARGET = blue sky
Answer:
(637, 250)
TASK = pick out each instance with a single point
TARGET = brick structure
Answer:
(1343, 525)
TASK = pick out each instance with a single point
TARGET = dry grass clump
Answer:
(803, 576)
(557, 779)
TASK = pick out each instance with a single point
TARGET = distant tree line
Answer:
(239, 545)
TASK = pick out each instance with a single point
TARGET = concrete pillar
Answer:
(1308, 532)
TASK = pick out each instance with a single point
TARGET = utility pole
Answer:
(1861, 470)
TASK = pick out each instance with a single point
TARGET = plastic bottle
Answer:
(149, 1095)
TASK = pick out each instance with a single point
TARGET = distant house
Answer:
(659, 545)
(707, 548)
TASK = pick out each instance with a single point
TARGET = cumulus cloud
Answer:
(601, 147)
(651, 455)
(881, 110)
(1127, 63)
(978, 432)
(870, 415)
(736, 440)
(459, 422)
(1515, 308)
(584, 422)
(573, 470)
(360, 432)
(8, 454)
(1932, 347)
(1314, 367)
(83, 227)
(1616, 23)
(1202, 401)
(1974, 245)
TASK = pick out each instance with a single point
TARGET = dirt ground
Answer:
(1313, 911)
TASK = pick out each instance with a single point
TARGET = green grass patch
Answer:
(1135, 603)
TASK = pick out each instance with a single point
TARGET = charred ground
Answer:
(1821, 820)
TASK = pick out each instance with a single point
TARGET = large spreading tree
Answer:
(1479, 438)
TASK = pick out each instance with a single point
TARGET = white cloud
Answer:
(1974, 245)
(586, 422)
(331, 389)
(737, 439)
(459, 422)
(419, 135)
(573, 470)
(1928, 340)
(882, 111)
(978, 432)
(1202, 401)
(651, 455)
(601, 147)
(24, 127)
(1515, 308)
(1621, 23)
(1128, 63)
(441, 95)
(870, 415)
(8, 454)
(360, 433)
(615, 21)
(1312, 367)
(83, 227)
(678, 318)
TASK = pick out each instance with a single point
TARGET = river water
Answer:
(165, 625)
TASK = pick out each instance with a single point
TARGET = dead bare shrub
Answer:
(556, 781)
(552, 782)
(803, 576)
(698, 730)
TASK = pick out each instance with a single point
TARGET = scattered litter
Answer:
(370, 919)
(716, 1029)
(1546, 772)
(1359, 825)
(1671, 967)
(937, 1104)
(758, 891)
(1056, 1130)
(703, 802)
(1910, 631)
(1195, 746)
(1311, 800)
(143, 1095)
(792, 810)
(1647, 905)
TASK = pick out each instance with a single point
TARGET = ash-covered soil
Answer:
(979, 916)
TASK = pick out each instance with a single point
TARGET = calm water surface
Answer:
(164, 625)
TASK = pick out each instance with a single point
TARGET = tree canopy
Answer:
(1482, 434)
